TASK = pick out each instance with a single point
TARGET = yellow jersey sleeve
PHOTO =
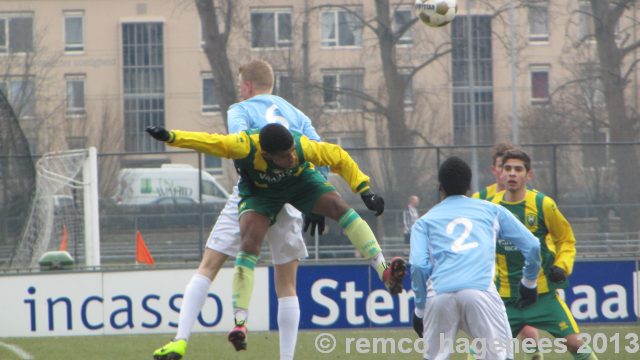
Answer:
(476, 195)
(338, 160)
(562, 235)
(233, 146)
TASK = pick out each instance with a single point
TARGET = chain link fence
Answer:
(175, 212)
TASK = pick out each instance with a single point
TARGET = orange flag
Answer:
(142, 252)
(63, 243)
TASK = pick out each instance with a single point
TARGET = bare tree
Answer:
(615, 71)
(217, 22)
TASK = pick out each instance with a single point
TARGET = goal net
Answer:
(64, 210)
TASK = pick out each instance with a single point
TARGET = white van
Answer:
(141, 186)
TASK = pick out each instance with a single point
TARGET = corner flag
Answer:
(142, 252)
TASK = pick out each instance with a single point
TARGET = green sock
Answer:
(588, 355)
(363, 239)
(243, 280)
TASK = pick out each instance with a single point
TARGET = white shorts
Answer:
(480, 314)
(284, 236)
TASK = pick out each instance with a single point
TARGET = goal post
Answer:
(64, 206)
(91, 209)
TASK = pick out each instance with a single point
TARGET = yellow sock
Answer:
(363, 239)
(243, 280)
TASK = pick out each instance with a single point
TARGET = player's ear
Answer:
(265, 155)
(530, 175)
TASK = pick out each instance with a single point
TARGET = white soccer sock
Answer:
(194, 296)
(288, 320)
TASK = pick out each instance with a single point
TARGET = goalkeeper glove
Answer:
(528, 296)
(316, 222)
(556, 274)
(418, 326)
(159, 133)
(373, 202)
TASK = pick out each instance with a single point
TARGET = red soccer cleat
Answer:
(393, 275)
(238, 337)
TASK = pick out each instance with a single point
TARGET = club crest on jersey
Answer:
(531, 219)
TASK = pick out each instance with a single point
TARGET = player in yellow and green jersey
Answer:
(496, 170)
(541, 216)
(277, 167)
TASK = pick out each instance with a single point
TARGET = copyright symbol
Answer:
(325, 343)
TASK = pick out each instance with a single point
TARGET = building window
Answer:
(340, 28)
(472, 100)
(591, 87)
(270, 28)
(284, 86)
(16, 33)
(213, 164)
(539, 21)
(339, 89)
(21, 94)
(75, 95)
(539, 84)
(209, 97)
(401, 17)
(586, 23)
(349, 141)
(409, 97)
(143, 83)
(73, 31)
(76, 142)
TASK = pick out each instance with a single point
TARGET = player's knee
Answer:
(573, 343)
(336, 207)
(250, 245)
(529, 332)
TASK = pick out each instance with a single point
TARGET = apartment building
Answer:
(96, 73)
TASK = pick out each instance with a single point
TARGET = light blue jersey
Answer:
(453, 246)
(260, 110)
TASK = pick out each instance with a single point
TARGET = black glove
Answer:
(316, 222)
(556, 274)
(374, 202)
(418, 326)
(527, 296)
(159, 133)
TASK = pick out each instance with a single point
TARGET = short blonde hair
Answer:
(258, 72)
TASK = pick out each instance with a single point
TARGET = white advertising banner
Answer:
(118, 303)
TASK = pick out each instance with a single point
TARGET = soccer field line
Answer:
(17, 350)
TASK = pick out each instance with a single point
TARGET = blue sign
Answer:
(604, 291)
(352, 296)
(345, 296)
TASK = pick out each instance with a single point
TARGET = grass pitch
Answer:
(264, 345)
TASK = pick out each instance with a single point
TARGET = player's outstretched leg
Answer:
(363, 239)
(242, 288)
(172, 351)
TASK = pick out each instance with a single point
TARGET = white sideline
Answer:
(17, 350)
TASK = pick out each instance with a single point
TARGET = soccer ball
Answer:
(436, 13)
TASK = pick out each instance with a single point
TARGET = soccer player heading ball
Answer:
(278, 167)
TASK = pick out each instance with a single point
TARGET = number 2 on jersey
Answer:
(459, 244)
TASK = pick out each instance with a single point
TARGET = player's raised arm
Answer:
(234, 146)
(338, 160)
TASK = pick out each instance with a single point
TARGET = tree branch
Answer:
(437, 55)
(350, 11)
(630, 70)
(631, 47)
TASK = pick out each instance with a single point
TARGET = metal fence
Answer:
(581, 177)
